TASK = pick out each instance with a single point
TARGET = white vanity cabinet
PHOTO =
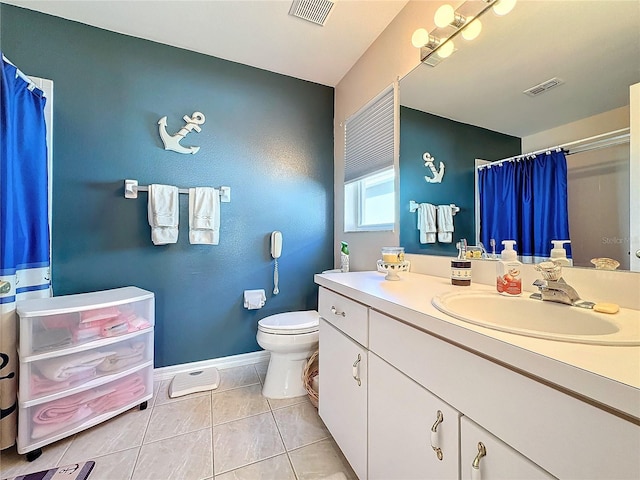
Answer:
(412, 433)
(530, 428)
(343, 361)
(483, 456)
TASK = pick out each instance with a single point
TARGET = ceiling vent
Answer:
(314, 11)
(543, 87)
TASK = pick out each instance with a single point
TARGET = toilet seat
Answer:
(290, 323)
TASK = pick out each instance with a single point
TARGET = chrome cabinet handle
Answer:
(356, 373)
(335, 311)
(435, 440)
(475, 465)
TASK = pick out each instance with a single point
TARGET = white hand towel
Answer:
(204, 216)
(427, 223)
(162, 210)
(445, 223)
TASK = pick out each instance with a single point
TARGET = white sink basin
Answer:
(542, 319)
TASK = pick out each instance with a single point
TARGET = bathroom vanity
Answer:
(410, 392)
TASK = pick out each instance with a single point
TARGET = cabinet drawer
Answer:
(46, 422)
(499, 460)
(564, 435)
(345, 314)
(48, 376)
(58, 323)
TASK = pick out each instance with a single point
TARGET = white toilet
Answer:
(291, 338)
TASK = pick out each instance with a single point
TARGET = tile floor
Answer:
(231, 433)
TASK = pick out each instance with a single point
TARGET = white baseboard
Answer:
(166, 373)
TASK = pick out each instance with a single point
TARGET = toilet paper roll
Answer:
(254, 299)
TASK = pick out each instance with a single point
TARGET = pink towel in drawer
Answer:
(125, 391)
(99, 314)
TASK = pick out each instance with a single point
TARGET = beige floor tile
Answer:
(13, 464)
(183, 457)
(177, 418)
(237, 377)
(245, 441)
(276, 403)
(319, 460)
(114, 466)
(261, 369)
(275, 468)
(119, 433)
(238, 403)
(162, 396)
(300, 425)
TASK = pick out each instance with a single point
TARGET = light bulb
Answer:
(420, 38)
(444, 16)
(446, 49)
(502, 7)
(472, 30)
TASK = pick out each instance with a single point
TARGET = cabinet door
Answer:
(402, 415)
(343, 394)
(497, 460)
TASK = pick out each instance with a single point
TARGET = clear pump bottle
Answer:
(508, 281)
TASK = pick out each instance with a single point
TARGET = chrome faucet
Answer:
(559, 291)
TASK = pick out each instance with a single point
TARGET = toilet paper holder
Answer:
(254, 299)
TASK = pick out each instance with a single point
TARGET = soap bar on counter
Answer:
(606, 307)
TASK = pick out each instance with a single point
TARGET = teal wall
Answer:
(457, 145)
(267, 136)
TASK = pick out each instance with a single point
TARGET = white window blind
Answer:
(369, 136)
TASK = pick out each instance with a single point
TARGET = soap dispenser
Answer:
(559, 254)
(508, 280)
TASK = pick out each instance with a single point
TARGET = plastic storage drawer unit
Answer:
(83, 359)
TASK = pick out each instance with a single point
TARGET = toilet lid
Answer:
(290, 323)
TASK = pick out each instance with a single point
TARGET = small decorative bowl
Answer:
(392, 269)
(605, 263)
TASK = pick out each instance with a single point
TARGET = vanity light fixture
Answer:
(438, 44)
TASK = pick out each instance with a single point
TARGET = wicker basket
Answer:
(308, 375)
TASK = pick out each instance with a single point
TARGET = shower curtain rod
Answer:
(590, 143)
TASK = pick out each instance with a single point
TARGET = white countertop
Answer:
(609, 375)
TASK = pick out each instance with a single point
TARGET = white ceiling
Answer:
(260, 33)
(594, 46)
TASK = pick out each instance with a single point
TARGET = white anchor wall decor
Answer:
(437, 174)
(173, 142)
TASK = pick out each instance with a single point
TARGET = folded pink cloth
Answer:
(64, 409)
(99, 314)
(125, 391)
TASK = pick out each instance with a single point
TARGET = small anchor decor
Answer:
(173, 142)
(437, 174)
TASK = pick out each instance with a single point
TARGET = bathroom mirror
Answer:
(593, 48)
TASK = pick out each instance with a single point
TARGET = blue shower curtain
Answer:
(24, 227)
(525, 201)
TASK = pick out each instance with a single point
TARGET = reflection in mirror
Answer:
(479, 91)
(369, 175)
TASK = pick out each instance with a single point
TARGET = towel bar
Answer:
(413, 206)
(131, 189)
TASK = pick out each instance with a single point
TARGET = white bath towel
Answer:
(163, 213)
(427, 223)
(204, 216)
(60, 368)
(445, 223)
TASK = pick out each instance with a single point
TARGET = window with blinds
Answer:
(369, 173)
